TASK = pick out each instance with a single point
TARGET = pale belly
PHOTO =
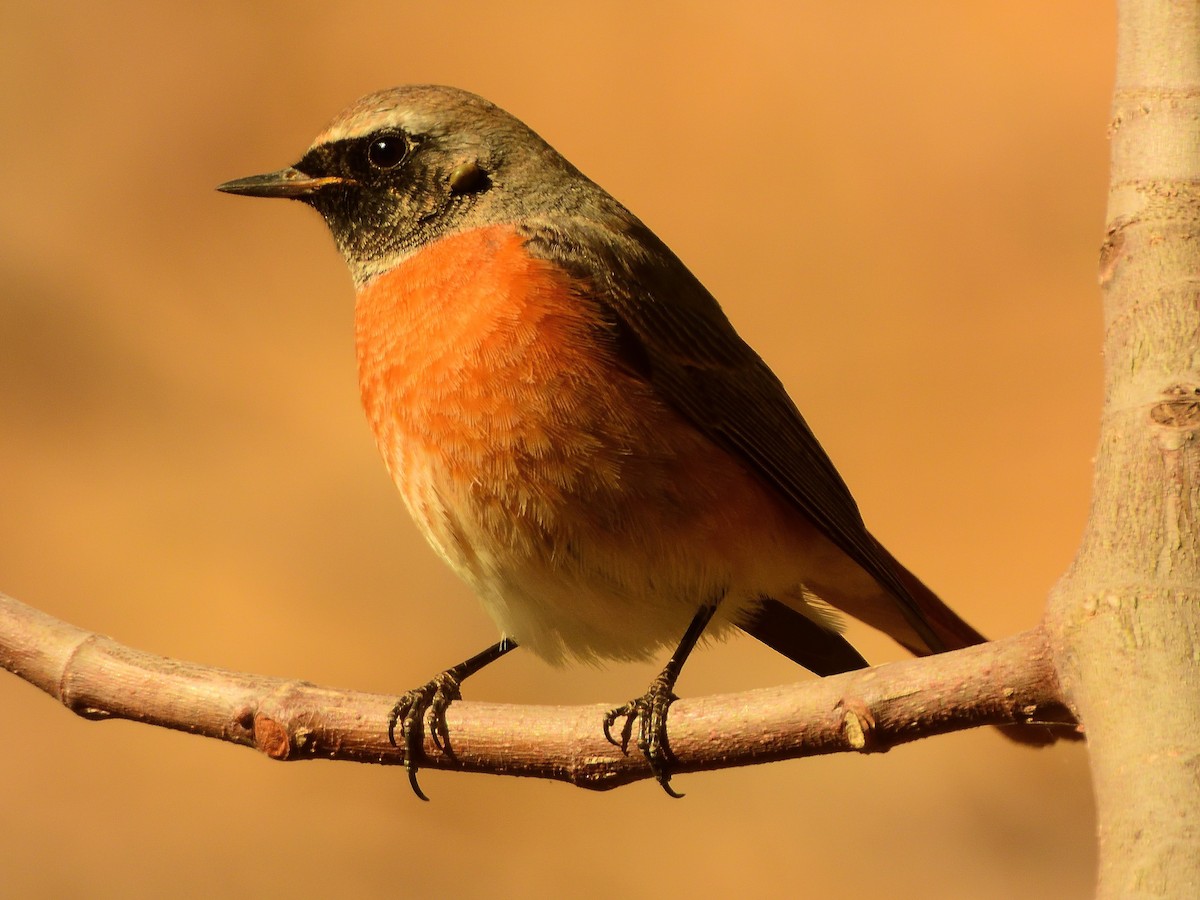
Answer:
(615, 574)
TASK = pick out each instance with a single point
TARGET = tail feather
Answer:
(956, 634)
(803, 641)
(826, 652)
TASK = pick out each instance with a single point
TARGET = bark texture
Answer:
(1125, 617)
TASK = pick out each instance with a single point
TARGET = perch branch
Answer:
(1004, 682)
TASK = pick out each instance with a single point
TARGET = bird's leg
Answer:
(650, 710)
(435, 697)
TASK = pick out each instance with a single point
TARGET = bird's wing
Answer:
(672, 330)
(803, 641)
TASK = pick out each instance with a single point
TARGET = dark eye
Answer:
(386, 151)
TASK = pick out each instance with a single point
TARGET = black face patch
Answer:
(394, 192)
(376, 159)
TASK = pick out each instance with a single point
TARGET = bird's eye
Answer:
(386, 151)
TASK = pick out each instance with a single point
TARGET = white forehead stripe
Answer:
(363, 121)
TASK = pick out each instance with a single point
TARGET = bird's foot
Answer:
(650, 713)
(435, 698)
(409, 713)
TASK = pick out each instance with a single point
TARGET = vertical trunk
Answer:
(1125, 617)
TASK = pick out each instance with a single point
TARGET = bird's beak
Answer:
(289, 182)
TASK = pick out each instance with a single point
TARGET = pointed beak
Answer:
(290, 183)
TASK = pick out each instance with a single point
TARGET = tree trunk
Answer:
(1125, 615)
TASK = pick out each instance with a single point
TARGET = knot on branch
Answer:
(858, 725)
(1181, 408)
(271, 737)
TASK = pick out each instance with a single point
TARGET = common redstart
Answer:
(573, 422)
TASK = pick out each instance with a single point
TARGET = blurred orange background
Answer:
(899, 206)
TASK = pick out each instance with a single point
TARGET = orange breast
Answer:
(490, 393)
(554, 480)
(481, 361)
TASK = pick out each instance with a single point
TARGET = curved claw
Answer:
(409, 713)
(650, 712)
(412, 782)
(630, 713)
(435, 698)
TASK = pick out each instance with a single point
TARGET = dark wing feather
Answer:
(684, 344)
(803, 641)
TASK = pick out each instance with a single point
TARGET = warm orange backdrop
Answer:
(899, 205)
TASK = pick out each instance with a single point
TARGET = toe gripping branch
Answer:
(434, 698)
(650, 709)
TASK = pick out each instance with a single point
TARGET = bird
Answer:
(574, 423)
